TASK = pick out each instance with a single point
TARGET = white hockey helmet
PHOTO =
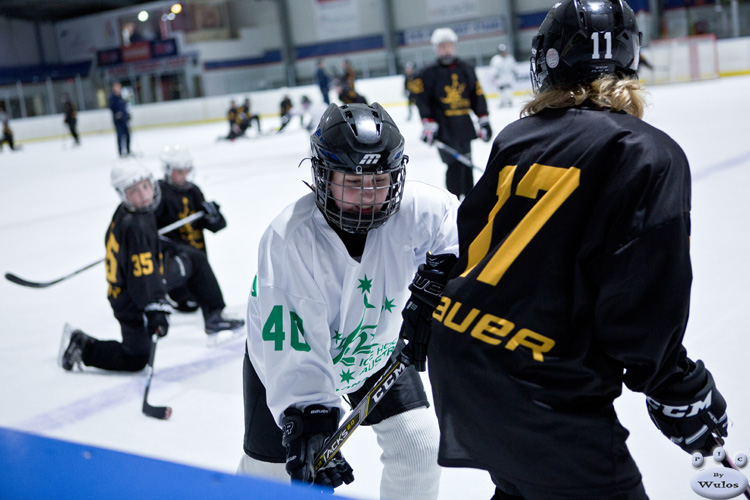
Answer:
(441, 35)
(502, 48)
(127, 173)
(176, 157)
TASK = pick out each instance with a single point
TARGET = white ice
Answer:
(56, 203)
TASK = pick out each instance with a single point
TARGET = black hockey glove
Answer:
(426, 290)
(690, 411)
(157, 317)
(212, 212)
(304, 434)
(485, 130)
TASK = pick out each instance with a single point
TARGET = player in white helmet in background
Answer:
(180, 198)
(135, 275)
(447, 92)
(311, 112)
(504, 74)
(139, 272)
(324, 311)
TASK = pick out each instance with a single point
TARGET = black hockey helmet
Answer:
(357, 139)
(581, 40)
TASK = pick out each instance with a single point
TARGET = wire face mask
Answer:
(358, 166)
(358, 202)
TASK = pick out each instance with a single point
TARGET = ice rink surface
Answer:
(56, 203)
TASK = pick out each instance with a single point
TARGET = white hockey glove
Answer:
(485, 130)
(429, 130)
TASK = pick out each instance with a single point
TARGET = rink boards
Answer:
(40, 467)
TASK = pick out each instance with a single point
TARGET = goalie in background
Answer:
(324, 310)
(573, 279)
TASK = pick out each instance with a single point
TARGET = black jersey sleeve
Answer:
(643, 274)
(420, 88)
(476, 93)
(142, 261)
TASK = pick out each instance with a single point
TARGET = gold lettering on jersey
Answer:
(448, 321)
(492, 329)
(481, 245)
(556, 182)
(479, 89)
(190, 235)
(457, 103)
(416, 86)
(110, 259)
(143, 264)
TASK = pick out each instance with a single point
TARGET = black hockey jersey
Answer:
(574, 277)
(179, 202)
(133, 264)
(447, 94)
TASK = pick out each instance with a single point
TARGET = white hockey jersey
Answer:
(503, 70)
(319, 322)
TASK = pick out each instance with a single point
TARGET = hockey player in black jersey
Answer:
(446, 93)
(180, 198)
(135, 270)
(140, 269)
(573, 279)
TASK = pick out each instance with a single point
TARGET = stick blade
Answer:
(160, 412)
(31, 284)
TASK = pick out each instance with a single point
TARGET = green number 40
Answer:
(273, 330)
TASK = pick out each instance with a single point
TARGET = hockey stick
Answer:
(160, 412)
(455, 154)
(728, 463)
(334, 443)
(44, 284)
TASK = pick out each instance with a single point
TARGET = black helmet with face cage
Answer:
(357, 139)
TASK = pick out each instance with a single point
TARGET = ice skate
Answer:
(71, 348)
(220, 329)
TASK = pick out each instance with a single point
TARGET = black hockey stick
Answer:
(455, 154)
(44, 284)
(360, 412)
(160, 412)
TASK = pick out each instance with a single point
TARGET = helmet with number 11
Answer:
(581, 40)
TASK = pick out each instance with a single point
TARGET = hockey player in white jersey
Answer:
(503, 74)
(325, 309)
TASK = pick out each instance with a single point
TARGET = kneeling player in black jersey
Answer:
(139, 275)
(573, 279)
(180, 198)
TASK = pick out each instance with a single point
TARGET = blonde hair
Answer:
(609, 91)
